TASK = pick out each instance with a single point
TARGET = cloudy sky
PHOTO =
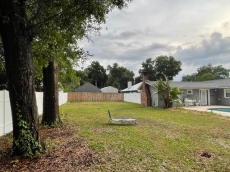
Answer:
(195, 32)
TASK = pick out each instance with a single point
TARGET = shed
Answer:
(109, 89)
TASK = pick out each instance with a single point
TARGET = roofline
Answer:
(216, 87)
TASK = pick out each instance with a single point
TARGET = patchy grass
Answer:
(162, 140)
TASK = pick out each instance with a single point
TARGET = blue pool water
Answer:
(221, 109)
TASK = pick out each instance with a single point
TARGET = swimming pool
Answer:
(220, 109)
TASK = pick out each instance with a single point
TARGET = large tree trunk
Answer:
(19, 69)
(50, 95)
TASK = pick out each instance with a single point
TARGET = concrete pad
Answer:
(206, 109)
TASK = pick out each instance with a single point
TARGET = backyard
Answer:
(172, 139)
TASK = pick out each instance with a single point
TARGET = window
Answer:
(227, 93)
(189, 92)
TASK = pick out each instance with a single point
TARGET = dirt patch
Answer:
(65, 152)
(205, 153)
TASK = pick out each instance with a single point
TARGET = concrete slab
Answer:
(206, 108)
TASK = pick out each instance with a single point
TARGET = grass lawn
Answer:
(162, 140)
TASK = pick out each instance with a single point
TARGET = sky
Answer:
(195, 32)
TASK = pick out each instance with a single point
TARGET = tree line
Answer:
(208, 72)
(156, 68)
(114, 75)
(118, 76)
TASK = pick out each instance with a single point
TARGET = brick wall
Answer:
(145, 95)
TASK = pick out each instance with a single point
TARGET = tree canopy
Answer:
(162, 65)
(208, 72)
(119, 76)
(96, 74)
(83, 76)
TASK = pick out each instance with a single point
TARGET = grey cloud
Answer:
(142, 53)
(209, 51)
(226, 24)
(152, 28)
(123, 35)
(129, 34)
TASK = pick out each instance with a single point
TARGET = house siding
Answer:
(195, 96)
(213, 97)
(222, 100)
(214, 90)
(154, 97)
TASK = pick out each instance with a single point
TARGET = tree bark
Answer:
(50, 95)
(19, 70)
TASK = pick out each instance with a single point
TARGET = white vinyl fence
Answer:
(5, 110)
(132, 97)
(5, 113)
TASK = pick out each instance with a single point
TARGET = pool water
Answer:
(220, 109)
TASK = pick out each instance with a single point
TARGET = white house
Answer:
(132, 88)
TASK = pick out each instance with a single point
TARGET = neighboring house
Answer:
(216, 92)
(132, 88)
(88, 87)
(213, 92)
(109, 89)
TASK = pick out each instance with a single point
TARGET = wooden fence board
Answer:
(88, 96)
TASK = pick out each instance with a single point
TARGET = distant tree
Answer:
(205, 69)
(166, 66)
(83, 76)
(191, 77)
(96, 74)
(137, 79)
(167, 94)
(208, 72)
(119, 76)
(68, 80)
(218, 71)
(148, 66)
(206, 77)
(127, 75)
(161, 66)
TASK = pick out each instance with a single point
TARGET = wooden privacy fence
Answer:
(88, 96)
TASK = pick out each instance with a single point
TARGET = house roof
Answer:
(88, 87)
(135, 88)
(212, 84)
(109, 89)
(222, 83)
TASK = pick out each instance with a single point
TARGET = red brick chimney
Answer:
(145, 95)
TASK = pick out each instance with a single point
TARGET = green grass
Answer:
(162, 139)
